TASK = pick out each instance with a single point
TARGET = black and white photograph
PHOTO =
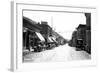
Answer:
(52, 36)
(55, 36)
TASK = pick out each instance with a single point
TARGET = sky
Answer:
(61, 22)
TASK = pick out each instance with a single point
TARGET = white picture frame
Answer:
(16, 59)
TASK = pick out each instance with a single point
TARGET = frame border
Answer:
(14, 29)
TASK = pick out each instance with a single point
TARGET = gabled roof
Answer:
(28, 23)
(81, 26)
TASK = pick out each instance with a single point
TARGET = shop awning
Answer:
(40, 36)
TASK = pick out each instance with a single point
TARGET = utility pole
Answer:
(52, 22)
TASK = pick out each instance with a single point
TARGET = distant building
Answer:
(81, 38)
